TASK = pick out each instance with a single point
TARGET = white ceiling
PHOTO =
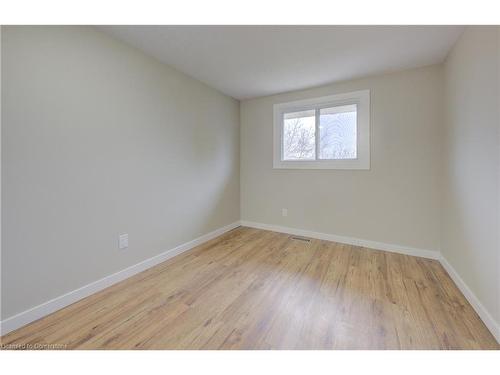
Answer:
(250, 61)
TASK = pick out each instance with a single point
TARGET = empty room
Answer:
(250, 187)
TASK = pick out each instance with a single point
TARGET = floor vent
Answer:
(300, 239)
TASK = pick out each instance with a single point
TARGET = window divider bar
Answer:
(316, 133)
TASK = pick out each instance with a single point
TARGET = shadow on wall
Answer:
(463, 241)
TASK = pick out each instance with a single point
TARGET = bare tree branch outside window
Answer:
(337, 134)
(299, 138)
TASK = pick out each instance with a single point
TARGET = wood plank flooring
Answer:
(255, 289)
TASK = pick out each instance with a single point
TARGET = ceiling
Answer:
(251, 61)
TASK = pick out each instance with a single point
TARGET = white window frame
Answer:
(362, 101)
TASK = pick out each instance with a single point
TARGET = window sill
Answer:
(324, 164)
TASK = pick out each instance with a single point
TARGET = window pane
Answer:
(299, 131)
(337, 132)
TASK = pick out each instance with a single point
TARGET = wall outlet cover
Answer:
(123, 241)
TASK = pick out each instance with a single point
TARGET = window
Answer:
(331, 132)
(299, 133)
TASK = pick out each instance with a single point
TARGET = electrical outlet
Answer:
(284, 212)
(123, 241)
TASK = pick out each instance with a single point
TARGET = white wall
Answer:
(471, 176)
(98, 139)
(395, 202)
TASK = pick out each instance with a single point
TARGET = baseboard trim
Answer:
(44, 309)
(60, 302)
(483, 313)
(431, 254)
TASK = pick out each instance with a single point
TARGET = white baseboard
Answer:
(431, 254)
(58, 303)
(483, 313)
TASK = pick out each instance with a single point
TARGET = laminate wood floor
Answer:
(255, 289)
